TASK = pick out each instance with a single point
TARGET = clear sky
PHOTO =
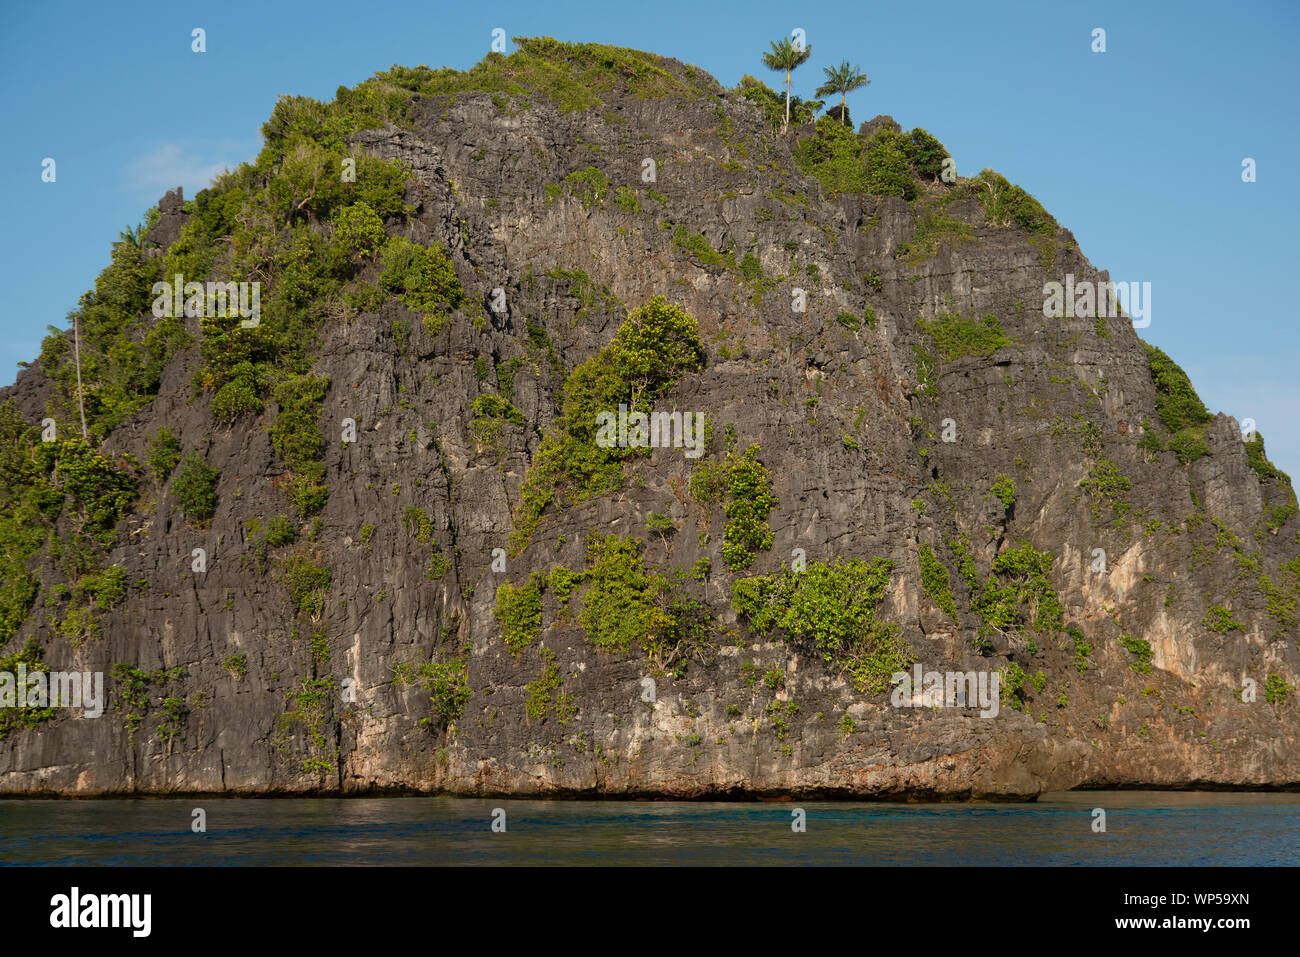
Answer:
(1137, 150)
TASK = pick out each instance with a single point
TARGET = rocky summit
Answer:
(574, 426)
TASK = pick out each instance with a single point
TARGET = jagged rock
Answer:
(1042, 410)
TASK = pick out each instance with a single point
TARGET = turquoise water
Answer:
(1142, 828)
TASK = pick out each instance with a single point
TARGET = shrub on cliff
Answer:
(1005, 204)
(831, 606)
(195, 489)
(655, 346)
(423, 278)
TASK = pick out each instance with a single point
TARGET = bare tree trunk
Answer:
(81, 400)
(787, 102)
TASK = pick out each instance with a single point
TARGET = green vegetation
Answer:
(237, 665)
(955, 337)
(134, 697)
(1006, 204)
(195, 489)
(625, 198)
(1177, 403)
(620, 605)
(842, 79)
(831, 607)
(22, 719)
(935, 581)
(491, 414)
(773, 104)
(590, 186)
(744, 487)
(1276, 690)
(784, 55)
(1219, 619)
(573, 75)
(417, 521)
(934, 228)
(519, 612)
(447, 683)
(1018, 592)
(543, 694)
(1179, 407)
(307, 582)
(297, 437)
(656, 345)
(1105, 483)
(1140, 647)
(164, 453)
(694, 244)
(1265, 469)
(423, 278)
(1004, 490)
(887, 164)
(359, 229)
(1082, 649)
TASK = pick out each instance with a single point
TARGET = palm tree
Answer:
(786, 56)
(842, 79)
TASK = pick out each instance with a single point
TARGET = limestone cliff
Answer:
(416, 575)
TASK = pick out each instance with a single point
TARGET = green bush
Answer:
(772, 103)
(1004, 489)
(1106, 483)
(491, 413)
(164, 453)
(307, 581)
(447, 683)
(889, 171)
(107, 588)
(656, 345)
(925, 153)
(1188, 445)
(627, 199)
(1005, 204)
(358, 229)
(1140, 647)
(296, 435)
(195, 489)
(519, 613)
(23, 719)
(589, 185)
(832, 608)
(423, 278)
(1219, 619)
(694, 244)
(280, 532)
(242, 395)
(834, 156)
(935, 581)
(956, 337)
(744, 487)
(1258, 460)
(1177, 403)
(1019, 592)
(620, 605)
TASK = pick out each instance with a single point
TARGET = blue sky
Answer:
(1137, 150)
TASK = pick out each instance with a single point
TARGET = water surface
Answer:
(1142, 828)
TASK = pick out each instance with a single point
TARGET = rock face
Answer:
(880, 442)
